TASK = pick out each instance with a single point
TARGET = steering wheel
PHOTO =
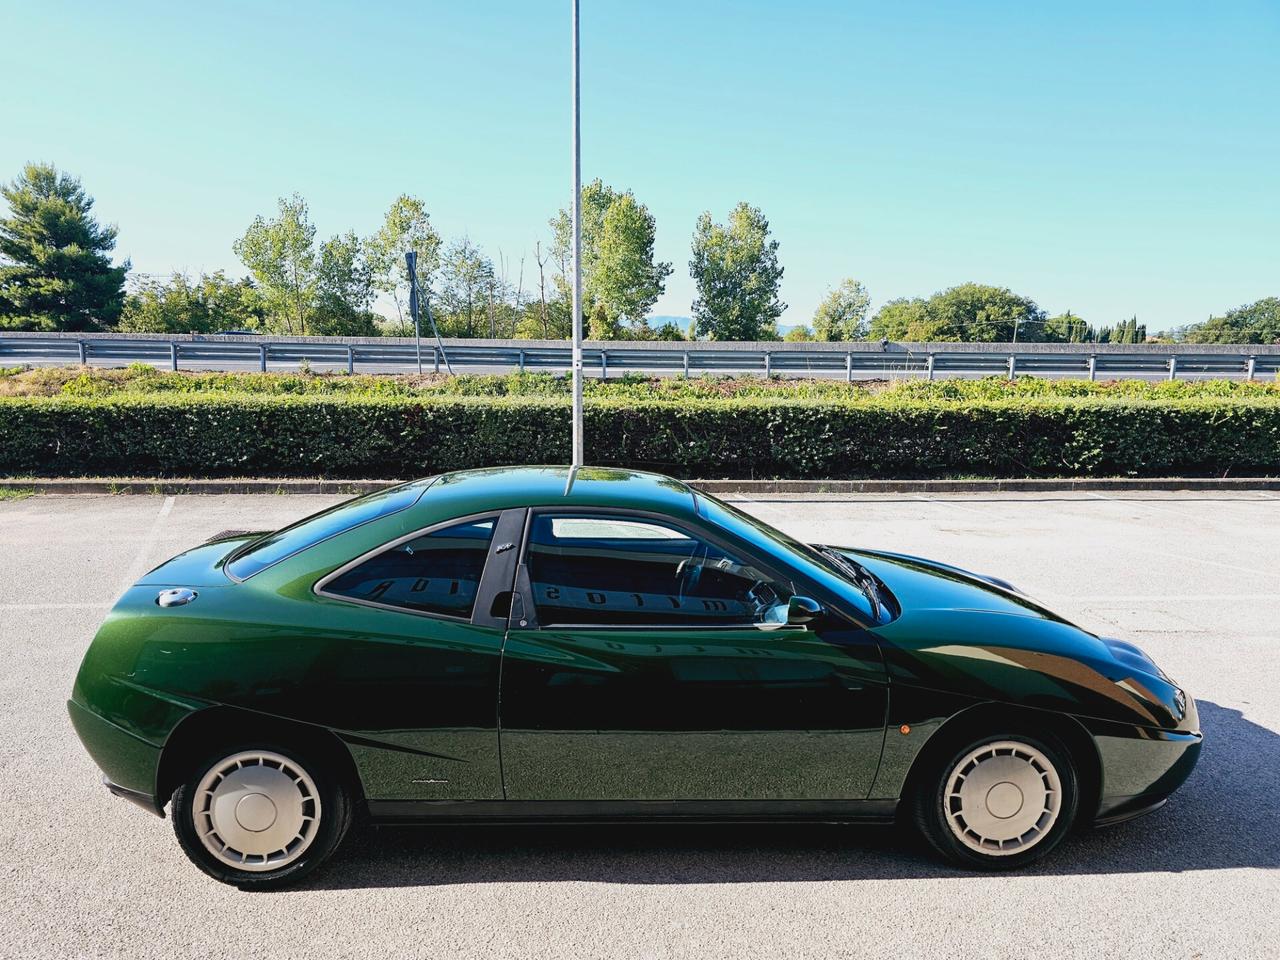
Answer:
(688, 574)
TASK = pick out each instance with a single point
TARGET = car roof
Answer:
(465, 492)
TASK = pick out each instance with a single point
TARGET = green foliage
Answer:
(15, 493)
(626, 279)
(280, 253)
(735, 266)
(877, 435)
(1257, 322)
(600, 326)
(842, 315)
(971, 312)
(467, 276)
(407, 226)
(618, 269)
(55, 268)
(799, 335)
(178, 306)
(344, 289)
(897, 319)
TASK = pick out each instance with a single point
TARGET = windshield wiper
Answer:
(860, 576)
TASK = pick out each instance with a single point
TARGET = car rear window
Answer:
(274, 547)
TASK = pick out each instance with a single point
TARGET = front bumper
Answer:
(1139, 773)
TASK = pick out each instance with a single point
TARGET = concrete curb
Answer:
(136, 485)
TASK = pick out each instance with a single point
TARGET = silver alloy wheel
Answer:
(1002, 798)
(256, 811)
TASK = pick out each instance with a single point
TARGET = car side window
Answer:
(438, 572)
(618, 571)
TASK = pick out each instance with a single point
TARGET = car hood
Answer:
(978, 636)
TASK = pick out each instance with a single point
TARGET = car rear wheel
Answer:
(998, 802)
(259, 816)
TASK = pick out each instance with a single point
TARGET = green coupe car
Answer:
(546, 644)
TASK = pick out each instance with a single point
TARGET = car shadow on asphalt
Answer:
(1225, 816)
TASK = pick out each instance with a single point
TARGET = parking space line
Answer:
(138, 567)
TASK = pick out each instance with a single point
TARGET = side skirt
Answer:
(616, 811)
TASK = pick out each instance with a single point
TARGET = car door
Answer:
(412, 640)
(634, 669)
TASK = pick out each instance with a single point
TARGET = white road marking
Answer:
(139, 565)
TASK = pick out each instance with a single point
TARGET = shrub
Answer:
(885, 435)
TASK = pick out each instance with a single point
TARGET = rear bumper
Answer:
(144, 800)
(128, 763)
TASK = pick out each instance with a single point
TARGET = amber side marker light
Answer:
(904, 729)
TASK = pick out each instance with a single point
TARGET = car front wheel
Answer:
(260, 817)
(999, 802)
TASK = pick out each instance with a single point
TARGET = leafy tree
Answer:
(55, 272)
(465, 275)
(735, 266)
(597, 197)
(618, 268)
(626, 279)
(280, 253)
(178, 306)
(979, 313)
(407, 226)
(344, 289)
(1257, 322)
(842, 315)
(1067, 328)
(897, 319)
(799, 334)
(601, 326)
(970, 312)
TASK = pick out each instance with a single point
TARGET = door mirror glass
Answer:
(802, 611)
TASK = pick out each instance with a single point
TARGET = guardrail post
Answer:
(522, 361)
(848, 367)
(262, 357)
(351, 359)
(1013, 366)
(686, 363)
(83, 357)
(1173, 366)
(768, 364)
(929, 365)
(604, 364)
(173, 354)
(435, 353)
(1252, 368)
(1093, 367)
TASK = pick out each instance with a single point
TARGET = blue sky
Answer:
(1111, 158)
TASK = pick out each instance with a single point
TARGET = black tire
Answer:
(928, 802)
(335, 806)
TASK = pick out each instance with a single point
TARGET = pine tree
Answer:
(55, 268)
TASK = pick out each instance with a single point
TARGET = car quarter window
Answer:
(625, 571)
(437, 572)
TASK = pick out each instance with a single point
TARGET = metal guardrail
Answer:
(849, 361)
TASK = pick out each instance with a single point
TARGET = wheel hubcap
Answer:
(1002, 798)
(257, 811)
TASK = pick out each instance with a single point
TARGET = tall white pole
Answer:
(577, 255)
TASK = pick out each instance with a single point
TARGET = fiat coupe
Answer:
(546, 644)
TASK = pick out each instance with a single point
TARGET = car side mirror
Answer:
(802, 611)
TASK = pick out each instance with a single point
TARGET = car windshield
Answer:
(274, 547)
(822, 569)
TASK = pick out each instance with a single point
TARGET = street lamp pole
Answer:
(577, 254)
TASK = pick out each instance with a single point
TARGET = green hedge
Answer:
(332, 436)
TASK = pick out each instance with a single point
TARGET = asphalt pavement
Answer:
(1194, 579)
